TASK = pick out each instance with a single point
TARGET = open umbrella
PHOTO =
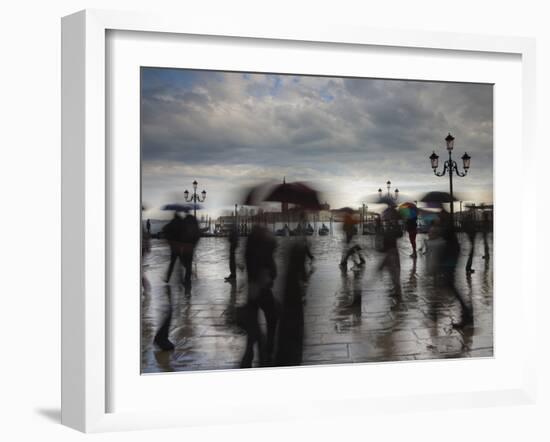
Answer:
(408, 210)
(376, 198)
(181, 207)
(436, 199)
(297, 193)
(255, 195)
(347, 210)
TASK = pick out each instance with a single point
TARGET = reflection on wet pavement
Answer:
(353, 316)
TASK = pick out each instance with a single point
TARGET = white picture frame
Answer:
(86, 314)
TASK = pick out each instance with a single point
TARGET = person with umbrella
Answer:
(182, 235)
(409, 213)
(262, 271)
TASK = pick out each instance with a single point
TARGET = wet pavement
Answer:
(352, 316)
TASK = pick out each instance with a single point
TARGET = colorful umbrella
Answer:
(408, 210)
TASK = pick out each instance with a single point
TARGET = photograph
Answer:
(299, 220)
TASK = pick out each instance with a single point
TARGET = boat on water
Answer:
(285, 231)
(323, 230)
(302, 230)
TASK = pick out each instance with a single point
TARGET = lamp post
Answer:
(451, 167)
(194, 197)
(388, 186)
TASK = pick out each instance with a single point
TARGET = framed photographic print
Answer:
(255, 213)
(320, 267)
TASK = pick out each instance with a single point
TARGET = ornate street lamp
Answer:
(389, 195)
(194, 198)
(451, 167)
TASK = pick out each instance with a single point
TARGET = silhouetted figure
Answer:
(485, 228)
(448, 260)
(377, 225)
(412, 229)
(145, 249)
(148, 226)
(349, 248)
(161, 337)
(469, 228)
(182, 235)
(262, 271)
(233, 245)
(391, 232)
(291, 323)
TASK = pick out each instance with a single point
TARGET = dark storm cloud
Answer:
(244, 125)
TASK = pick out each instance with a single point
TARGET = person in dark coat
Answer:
(262, 271)
(448, 262)
(182, 235)
(233, 245)
(469, 228)
(291, 323)
(412, 229)
(391, 232)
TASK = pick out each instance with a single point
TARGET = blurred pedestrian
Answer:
(485, 228)
(469, 228)
(448, 260)
(145, 250)
(391, 232)
(233, 245)
(262, 271)
(412, 229)
(182, 235)
(350, 249)
(161, 337)
(148, 225)
(291, 324)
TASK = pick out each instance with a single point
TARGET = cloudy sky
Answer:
(348, 136)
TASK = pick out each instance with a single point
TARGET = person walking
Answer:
(262, 271)
(349, 248)
(448, 261)
(233, 245)
(486, 227)
(391, 232)
(182, 235)
(412, 229)
(469, 228)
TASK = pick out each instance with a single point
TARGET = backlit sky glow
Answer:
(348, 136)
